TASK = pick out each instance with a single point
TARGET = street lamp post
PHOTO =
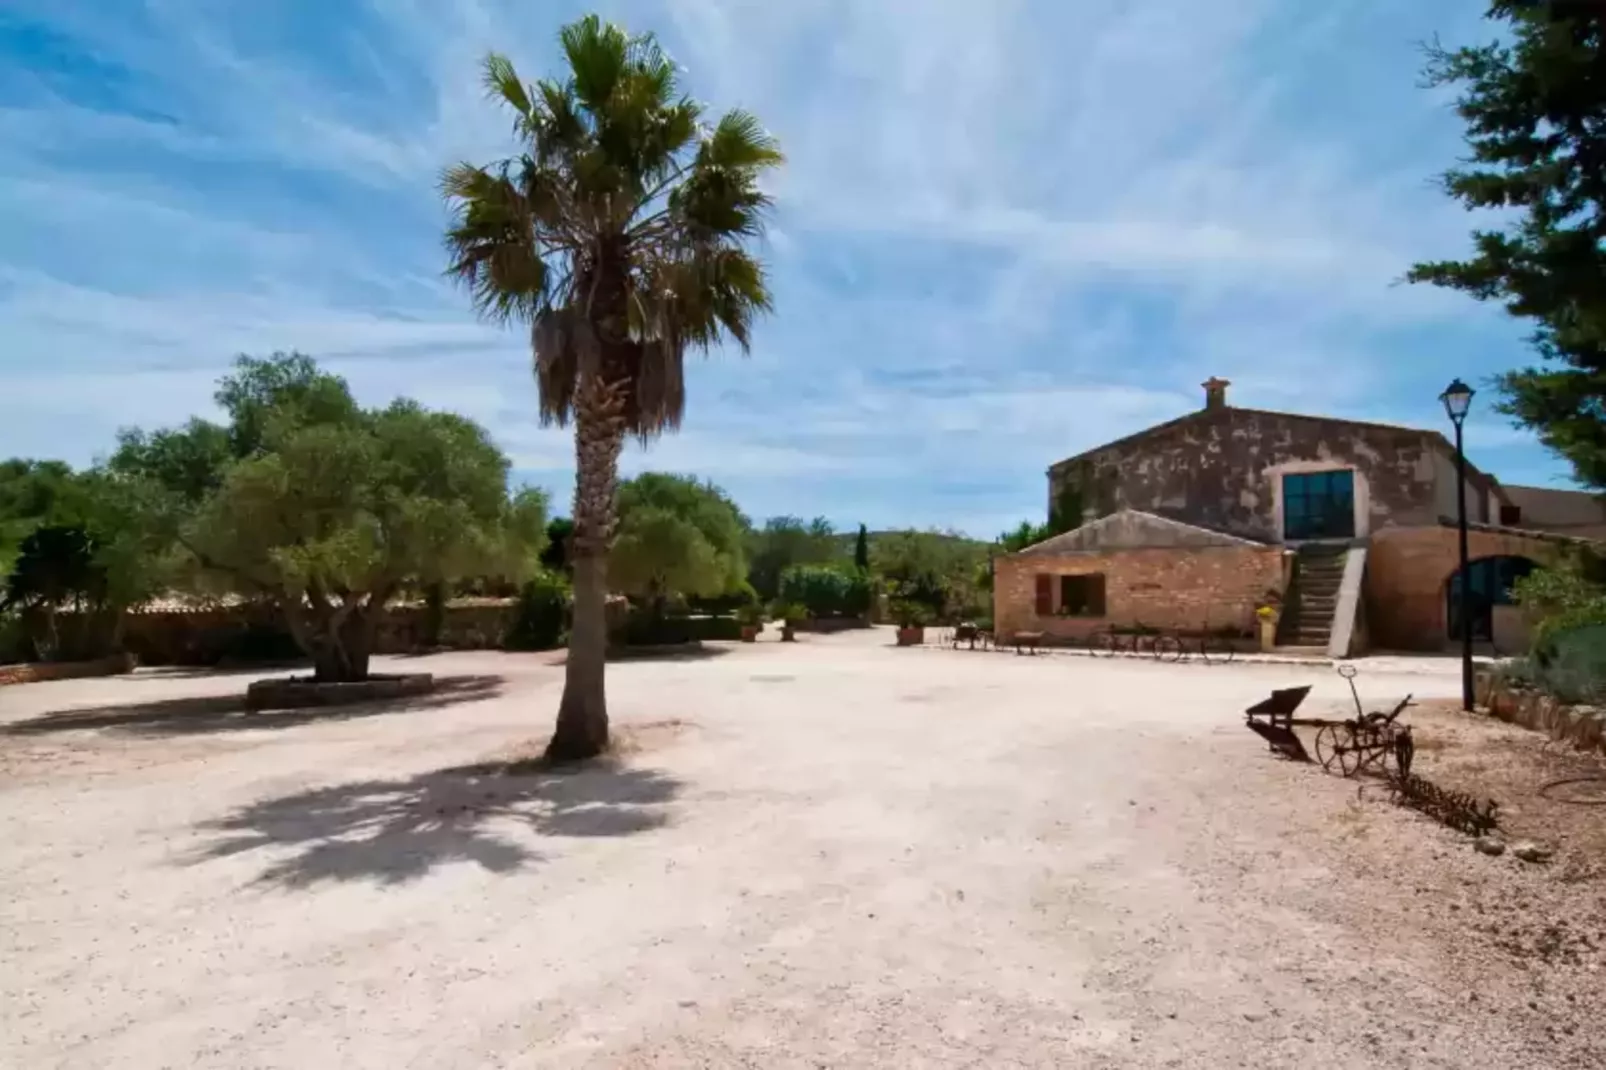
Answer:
(1457, 398)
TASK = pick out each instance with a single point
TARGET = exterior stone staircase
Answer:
(1308, 611)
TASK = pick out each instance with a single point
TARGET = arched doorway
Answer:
(1491, 581)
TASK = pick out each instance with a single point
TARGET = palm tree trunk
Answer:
(599, 438)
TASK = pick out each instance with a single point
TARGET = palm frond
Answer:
(619, 232)
(598, 55)
(502, 83)
(739, 141)
(492, 243)
(553, 343)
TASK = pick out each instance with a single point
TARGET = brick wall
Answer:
(1183, 589)
(1406, 573)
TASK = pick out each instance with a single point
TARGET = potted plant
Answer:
(751, 619)
(1267, 616)
(791, 614)
(910, 617)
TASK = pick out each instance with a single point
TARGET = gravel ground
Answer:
(833, 854)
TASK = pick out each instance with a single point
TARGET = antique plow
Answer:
(1350, 745)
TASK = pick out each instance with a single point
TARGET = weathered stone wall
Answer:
(249, 633)
(1406, 573)
(1190, 589)
(38, 672)
(1222, 470)
(1582, 726)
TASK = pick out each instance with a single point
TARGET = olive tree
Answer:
(328, 509)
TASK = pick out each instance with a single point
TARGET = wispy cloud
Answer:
(1006, 232)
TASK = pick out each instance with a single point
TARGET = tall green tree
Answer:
(1534, 105)
(327, 509)
(785, 541)
(30, 493)
(861, 550)
(677, 536)
(74, 539)
(620, 233)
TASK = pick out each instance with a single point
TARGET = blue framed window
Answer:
(1319, 505)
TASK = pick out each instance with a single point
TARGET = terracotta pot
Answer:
(788, 634)
(749, 633)
(911, 636)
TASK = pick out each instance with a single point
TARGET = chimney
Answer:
(1215, 393)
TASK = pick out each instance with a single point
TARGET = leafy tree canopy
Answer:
(677, 536)
(939, 570)
(555, 558)
(328, 509)
(785, 541)
(75, 537)
(1534, 105)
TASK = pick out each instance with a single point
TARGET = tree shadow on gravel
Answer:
(394, 831)
(227, 713)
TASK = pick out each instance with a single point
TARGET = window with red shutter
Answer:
(1045, 595)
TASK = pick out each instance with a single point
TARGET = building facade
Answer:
(1359, 517)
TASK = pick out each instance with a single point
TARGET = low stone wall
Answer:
(38, 672)
(1582, 726)
(253, 634)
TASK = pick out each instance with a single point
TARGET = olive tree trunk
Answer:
(599, 436)
(339, 640)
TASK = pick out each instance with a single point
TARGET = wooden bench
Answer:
(1027, 642)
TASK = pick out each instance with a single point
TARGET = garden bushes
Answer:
(541, 619)
(827, 591)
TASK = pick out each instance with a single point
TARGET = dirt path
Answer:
(829, 855)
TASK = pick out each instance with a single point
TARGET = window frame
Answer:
(1308, 521)
(1094, 600)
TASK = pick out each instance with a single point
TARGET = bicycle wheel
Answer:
(1216, 650)
(1105, 644)
(1167, 648)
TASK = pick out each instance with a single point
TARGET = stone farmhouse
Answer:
(1348, 527)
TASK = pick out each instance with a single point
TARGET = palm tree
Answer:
(620, 235)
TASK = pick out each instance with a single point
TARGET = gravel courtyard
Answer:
(833, 854)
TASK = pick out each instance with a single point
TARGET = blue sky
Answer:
(1007, 231)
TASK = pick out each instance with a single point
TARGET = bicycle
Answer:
(1170, 647)
(1108, 642)
(1217, 649)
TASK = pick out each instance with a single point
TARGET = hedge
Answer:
(643, 629)
(827, 590)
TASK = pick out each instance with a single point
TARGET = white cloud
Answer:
(1006, 231)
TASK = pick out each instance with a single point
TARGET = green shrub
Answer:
(827, 591)
(724, 604)
(717, 629)
(1572, 664)
(1562, 599)
(907, 613)
(541, 621)
(644, 628)
(14, 644)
